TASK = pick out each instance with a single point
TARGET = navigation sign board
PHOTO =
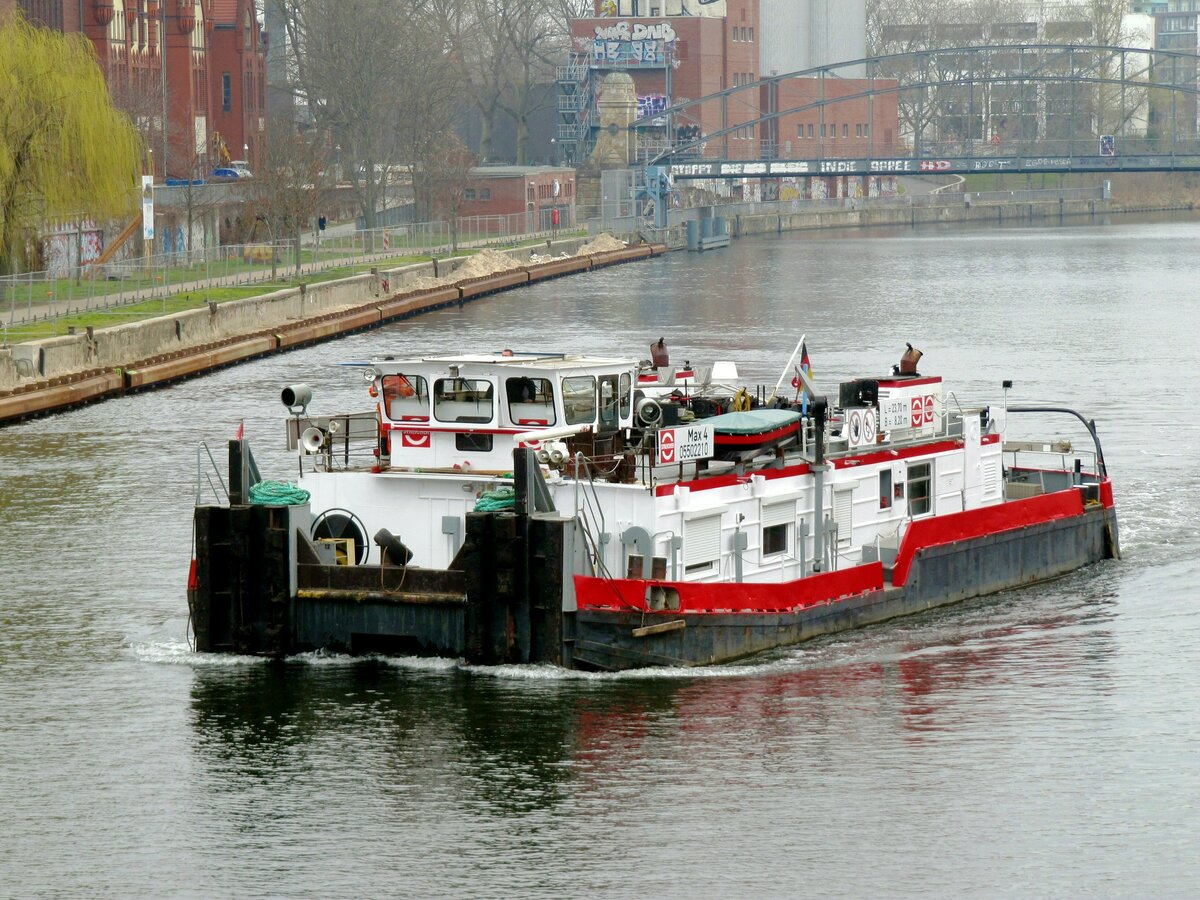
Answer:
(685, 443)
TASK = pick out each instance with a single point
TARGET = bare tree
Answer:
(294, 173)
(366, 73)
(447, 170)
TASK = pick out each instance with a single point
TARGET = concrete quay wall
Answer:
(60, 372)
(772, 223)
(122, 345)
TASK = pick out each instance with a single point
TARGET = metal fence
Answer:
(37, 296)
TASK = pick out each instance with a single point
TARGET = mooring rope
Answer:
(501, 498)
(277, 493)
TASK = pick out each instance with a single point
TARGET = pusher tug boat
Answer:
(515, 507)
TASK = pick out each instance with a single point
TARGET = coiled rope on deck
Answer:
(277, 493)
(491, 501)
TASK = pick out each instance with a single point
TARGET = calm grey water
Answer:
(1045, 741)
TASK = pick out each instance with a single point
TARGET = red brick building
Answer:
(525, 196)
(238, 60)
(201, 41)
(685, 57)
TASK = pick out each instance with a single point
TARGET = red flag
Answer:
(241, 432)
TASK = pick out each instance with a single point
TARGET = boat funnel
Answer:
(659, 355)
(908, 362)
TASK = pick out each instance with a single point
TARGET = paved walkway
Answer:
(14, 315)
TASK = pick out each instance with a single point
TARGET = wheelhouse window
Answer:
(579, 399)
(406, 397)
(462, 400)
(530, 401)
(626, 395)
(608, 403)
(473, 442)
(920, 479)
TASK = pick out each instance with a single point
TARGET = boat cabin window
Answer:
(579, 399)
(885, 488)
(406, 397)
(462, 400)
(920, 479)
(530, 401)
(626, 395)
(609, 419)
(473, 442)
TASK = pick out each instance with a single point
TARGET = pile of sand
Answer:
(604, 243)
(536, 258)
(485, 262)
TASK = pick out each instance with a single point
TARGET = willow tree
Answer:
(65, 152)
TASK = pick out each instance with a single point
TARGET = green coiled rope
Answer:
(277, 493)
(491, 501)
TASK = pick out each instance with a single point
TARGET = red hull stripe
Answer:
(974, 523)
(749, 440)
(827, 587)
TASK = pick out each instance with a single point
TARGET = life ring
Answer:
(741, 401)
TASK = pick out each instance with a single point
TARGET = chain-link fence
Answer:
(35, 296)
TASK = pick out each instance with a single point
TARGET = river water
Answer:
(1044, 741)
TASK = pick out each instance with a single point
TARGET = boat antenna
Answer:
(1006, 384)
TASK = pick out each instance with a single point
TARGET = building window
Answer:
(226, 92)
(920, 500)
(485, 193)
(810, 129)
(822, 131)
(751, 31)
(858, 131)
(735, 34)
(799, 131)
(867, 130)
(845, 130)
(469, 194)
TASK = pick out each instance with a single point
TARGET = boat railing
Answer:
(589, 512)
(205, 475)
(1090, 424)
(1032, 467)
(341, 441)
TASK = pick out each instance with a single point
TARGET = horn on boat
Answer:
(311, 439)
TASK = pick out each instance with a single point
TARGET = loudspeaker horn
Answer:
(312, 439)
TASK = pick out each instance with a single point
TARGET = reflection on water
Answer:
(1041, 741)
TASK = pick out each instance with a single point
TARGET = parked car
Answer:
(225, 172)
(242, 168)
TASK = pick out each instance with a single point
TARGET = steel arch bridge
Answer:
(962, 110)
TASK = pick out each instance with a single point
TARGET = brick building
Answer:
(212, 83)
(519, 198)
(689, 53)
